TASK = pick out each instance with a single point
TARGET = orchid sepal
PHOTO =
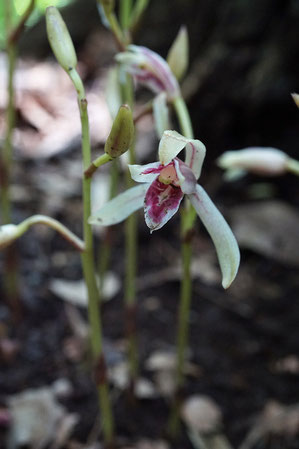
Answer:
(120, 207)
(223, 238)
(150, 69)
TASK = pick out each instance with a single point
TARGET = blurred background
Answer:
(243, 357)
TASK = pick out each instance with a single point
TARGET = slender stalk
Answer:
(105, 253)
(187, 221)
(139, 8)
(101, 160)
(125, 13)
(16, 33)
(183, 117)
(54, 224)
(10, 258)
(116, 30)
(89, 271)
(131, 262)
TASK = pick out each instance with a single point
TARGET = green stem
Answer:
(116, 31)
(131, 260)
(183, 117)
(89, 270)
(104, 256)
(187, 221)
(101, 160)
(11, 272)
(125, 13)
(54, 224)
(137, 12)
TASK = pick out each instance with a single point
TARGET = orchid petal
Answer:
(120, 207)
(145, 173)
(225, 243)
(149, 69)
(186, 177)
(170, 146)
(195, 154)
(161, 113)
(161, 203)
(159, 67)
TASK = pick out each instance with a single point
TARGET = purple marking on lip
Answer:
(161, 203)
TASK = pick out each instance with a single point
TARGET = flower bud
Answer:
(8, 233)
(60, 39)
(178, 55)
(259, 160)
(122, 133)
(296, 99)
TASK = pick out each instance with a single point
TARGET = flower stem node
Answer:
(122, 133)
(60, 39)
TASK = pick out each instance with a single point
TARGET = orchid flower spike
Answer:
(259, 160)
(163, 186)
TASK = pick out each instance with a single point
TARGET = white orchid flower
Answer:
(163, 186)
(265, 161)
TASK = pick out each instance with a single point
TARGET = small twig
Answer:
(16, 33)
(146, 109)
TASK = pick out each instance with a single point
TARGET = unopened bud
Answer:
(8, 233)
(296, 99)
(178, 55)
(122, 133)
(259, 160)
(60, 39)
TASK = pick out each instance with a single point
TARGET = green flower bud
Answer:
(178, 55)
(122, 133)
(60, 39)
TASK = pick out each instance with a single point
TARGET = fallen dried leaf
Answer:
(38, 420)
(75, 291)
(201, 414)
(270, 228)
(275, 419)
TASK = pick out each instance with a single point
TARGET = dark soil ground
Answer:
(238, 338)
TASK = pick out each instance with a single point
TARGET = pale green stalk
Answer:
(11, 274)
(187, 221)
(89, 271)
(131, 235)
(105, 252)
(12, 36)
(138, 10)
(54, 224)
(125, 13)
